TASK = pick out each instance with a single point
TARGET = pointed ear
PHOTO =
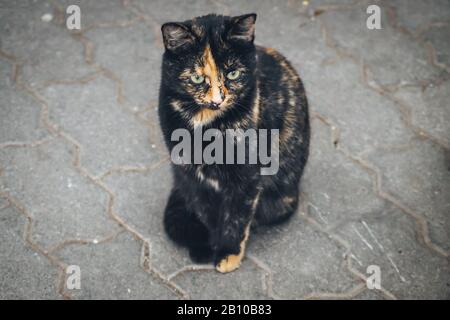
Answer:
(243, 27)
(176, 35)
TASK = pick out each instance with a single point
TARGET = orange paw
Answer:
(229, 263)
(233, 261)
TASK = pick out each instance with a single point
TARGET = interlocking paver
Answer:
(393, 56)
(94, 104)
(437, 36)
(105, 270)
(336, 190)
(418, 176)
(429, 109)
(388, 240)
(270, 13)
(140, 201)
(19, 112)
(357, 112)
(248, 283)
(4, 203)
(299, 268)
(24, 274)
(100, 13)
(84, 174)
(418, 14)
(46, 50)
(130, 53)
(63, 203)
(310, 57)
(160, 11)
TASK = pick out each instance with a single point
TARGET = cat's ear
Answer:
(176, 36)
(243, 27)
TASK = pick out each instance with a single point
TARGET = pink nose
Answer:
(217, 100)
(217, 96)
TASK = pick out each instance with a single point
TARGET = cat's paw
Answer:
(229, 263)
(232, 260)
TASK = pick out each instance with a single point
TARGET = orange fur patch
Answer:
(204, 116)
(233, 261)
(256, 105)
(210, 70)
(270, 51)
(216, 89)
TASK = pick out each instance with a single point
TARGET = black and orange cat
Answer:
(213, 76)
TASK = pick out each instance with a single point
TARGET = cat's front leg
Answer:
(234, 232)
(232, 261)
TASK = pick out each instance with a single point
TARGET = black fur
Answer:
(211, 221)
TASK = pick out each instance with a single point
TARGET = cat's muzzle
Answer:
(213, 106)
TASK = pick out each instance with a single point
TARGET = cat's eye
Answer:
(197, 79)
(233, 75)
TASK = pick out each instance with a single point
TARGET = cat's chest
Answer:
(226, 171)
(209, 176)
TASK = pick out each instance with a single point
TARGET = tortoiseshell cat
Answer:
(213, 76)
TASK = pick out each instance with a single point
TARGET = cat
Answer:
(214, 76)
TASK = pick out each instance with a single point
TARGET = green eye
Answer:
(196, 78)
(233, 74)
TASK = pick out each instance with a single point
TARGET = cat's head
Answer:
(210, 59)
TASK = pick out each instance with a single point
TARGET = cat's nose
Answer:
(217, 100)
(214, 105)
(217, 97)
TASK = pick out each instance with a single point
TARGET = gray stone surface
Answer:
(208, 284)
(101, 13)
(122, 257)
(94, 104)
(4, 203)
(425, 107)
(45, 49)
(84, 174)
(160, 11)
(414, 15)
(357, 112)
(140, 201)
(132, 55)
(423, 167)
(24, 274)
(299, 269)
(437, 37)
(388, 240)
(64, 204)
(326, 177)
(392, 56)
(19, 113)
